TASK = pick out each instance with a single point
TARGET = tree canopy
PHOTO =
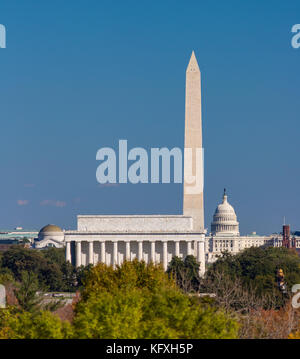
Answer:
(50, 266)
(140, 301)
(26, 325)
(185, 272)
(256, 269)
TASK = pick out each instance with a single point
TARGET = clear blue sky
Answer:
(79, 75)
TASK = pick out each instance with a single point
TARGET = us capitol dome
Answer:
(225, 220)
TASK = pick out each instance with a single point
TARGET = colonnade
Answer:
(158, 249)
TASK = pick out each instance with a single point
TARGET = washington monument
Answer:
(193, 202)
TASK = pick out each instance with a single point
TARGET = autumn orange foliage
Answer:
(271, 324)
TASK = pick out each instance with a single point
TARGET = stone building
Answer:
(112, 239)
(225, 220)
(50, 236)
(156, 238)
(225, 235)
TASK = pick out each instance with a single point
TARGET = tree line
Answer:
(239, 297)
(52, 271)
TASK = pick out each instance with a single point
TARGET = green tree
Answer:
(5, 315)
(6, 276)
(51, 276)
(55, 255)
(81, 274)
(140, 301)
(49, 265)
(129, 275)
(68, 277)
(108, 315)
(256, 270)
(45, 264)
(26, 293)
(186, 273)
(26, 325)
(18, 259)
(30, 295)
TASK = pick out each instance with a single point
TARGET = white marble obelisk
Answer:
(193, 154)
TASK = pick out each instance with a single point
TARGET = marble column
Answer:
(165, 255)
(177, 251)
(127, 251)
(153, 251)
(198, 252)
(91, 252)
(201, 256)
(78, 254)
(68, 252)
(103, 256)
(189, 248)
(140, 250)
(115, 254)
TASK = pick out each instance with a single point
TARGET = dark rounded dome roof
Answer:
(51, 228)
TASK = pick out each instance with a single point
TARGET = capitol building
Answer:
(225, 234)
(158, 238)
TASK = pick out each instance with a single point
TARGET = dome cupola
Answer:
(51, 232)
(50, 228)
(225, 220)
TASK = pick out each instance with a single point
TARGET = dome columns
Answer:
(224, 219)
